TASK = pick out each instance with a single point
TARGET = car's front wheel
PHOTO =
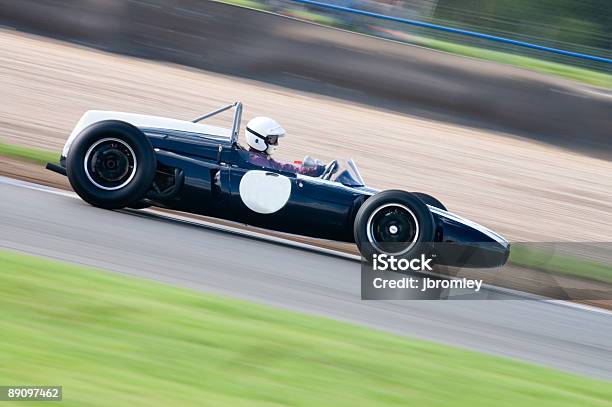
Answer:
(111, 164)
(395, 223)
(430, 200)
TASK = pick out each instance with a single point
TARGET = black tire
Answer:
(430, 200)
(108, 186)
(394, 208)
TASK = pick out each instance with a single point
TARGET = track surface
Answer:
(65, 228)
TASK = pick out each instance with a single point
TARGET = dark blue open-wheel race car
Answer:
(115, 160)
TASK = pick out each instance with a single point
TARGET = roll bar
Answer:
(235, 121)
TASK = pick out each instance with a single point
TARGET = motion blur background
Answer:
(268, 47)
(581, 26)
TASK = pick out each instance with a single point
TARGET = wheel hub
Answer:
(110, 164)
(393, 229)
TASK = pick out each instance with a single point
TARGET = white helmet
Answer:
(262, 134)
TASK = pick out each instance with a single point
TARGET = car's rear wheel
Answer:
(394, 223)
(111, 164)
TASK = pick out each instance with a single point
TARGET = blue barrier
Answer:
(457, 31)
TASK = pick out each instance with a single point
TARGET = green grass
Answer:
(115, 340)
(558, 263)
(34, 155)
(314, 17)
(296, 12)
(254, 4)
(568, 71)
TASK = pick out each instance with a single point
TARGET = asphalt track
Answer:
(56, 225)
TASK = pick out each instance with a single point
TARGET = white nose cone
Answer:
(264, 192)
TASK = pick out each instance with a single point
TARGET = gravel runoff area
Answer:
(523, 189)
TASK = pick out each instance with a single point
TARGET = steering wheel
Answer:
(329, 170)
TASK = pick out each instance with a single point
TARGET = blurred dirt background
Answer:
(274, 49)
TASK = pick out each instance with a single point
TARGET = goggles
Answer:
(270, 140)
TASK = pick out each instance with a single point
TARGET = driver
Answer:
(262, 134)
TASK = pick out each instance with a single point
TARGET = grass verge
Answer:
(253, 4)
(112, 339)
(560, 264)
(314, 17)
(33, 155)
(567, 71)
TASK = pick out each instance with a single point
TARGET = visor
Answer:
(270, 140)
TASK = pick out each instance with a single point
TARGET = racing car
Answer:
(116, 160)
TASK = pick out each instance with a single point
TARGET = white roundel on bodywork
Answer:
(264, 192)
